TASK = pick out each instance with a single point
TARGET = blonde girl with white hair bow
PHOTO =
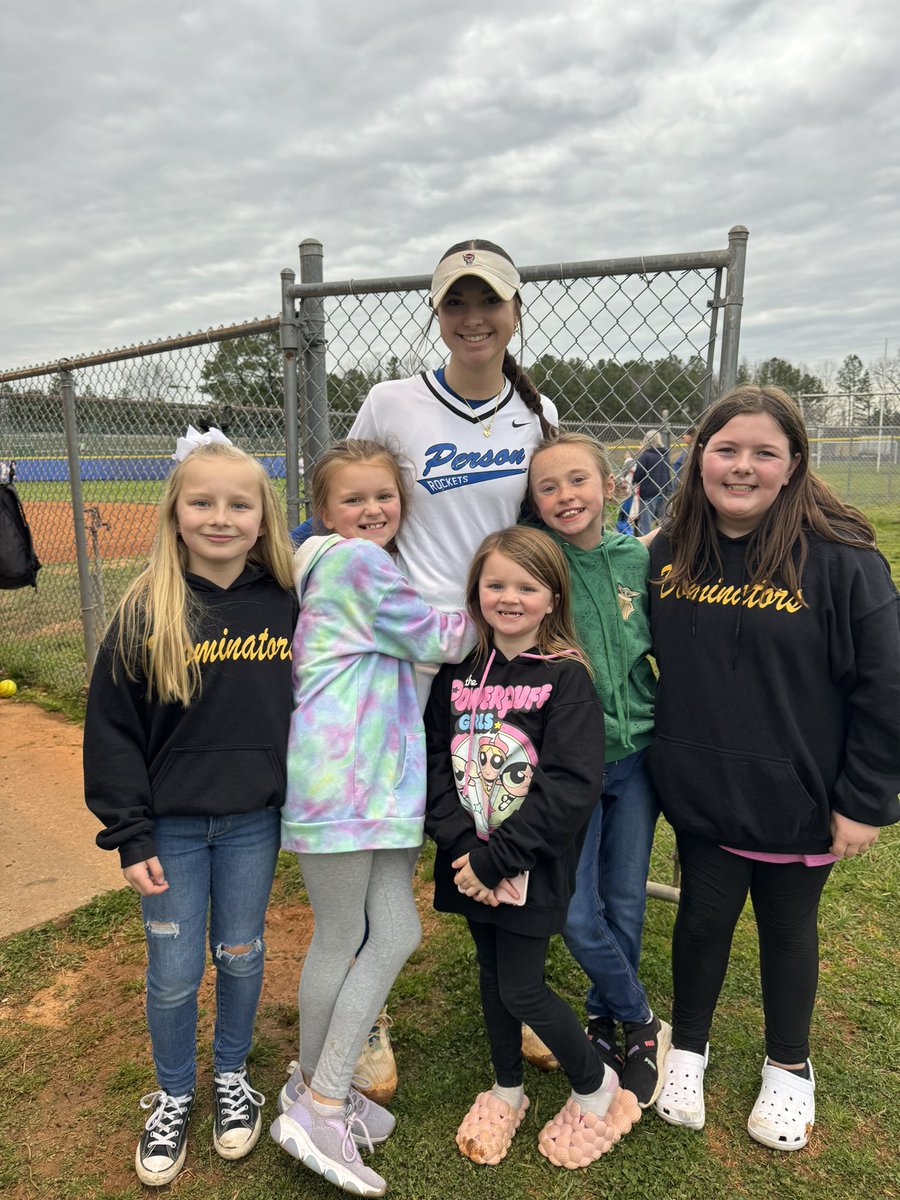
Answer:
(184, 761)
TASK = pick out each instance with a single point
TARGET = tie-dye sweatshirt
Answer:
(356, 752)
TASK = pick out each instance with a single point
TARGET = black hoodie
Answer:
(224, 753)
(533, 776)
(769, 713)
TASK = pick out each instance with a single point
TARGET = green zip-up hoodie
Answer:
(610, 607)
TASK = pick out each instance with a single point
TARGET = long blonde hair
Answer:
(158, 613)
(536, 553)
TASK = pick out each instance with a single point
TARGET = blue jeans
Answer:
(606, 915)
(223, 866)
(650, 512)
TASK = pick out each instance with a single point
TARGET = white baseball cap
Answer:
(497, 272)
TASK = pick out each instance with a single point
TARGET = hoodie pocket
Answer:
(749, 801)
(219, 779)
(409, 790)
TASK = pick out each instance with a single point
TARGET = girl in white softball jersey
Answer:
(468, 428)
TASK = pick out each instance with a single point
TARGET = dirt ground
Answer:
(52, 866)
(89, 1019)
(50, 861)
(123, 529)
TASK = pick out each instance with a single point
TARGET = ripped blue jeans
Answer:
(220, 872)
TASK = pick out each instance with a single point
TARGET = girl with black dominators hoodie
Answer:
(185, 743)
(775, 628)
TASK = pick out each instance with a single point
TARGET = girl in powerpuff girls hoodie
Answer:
(515, 739)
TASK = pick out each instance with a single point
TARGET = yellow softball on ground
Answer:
(7, 687)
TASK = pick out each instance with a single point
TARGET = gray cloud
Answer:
(161, 163)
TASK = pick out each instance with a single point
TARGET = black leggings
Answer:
(714, 887)
(514, 992)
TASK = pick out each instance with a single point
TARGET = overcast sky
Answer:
(160, 162)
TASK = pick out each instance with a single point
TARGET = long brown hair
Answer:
(536, 553)
(158, 613)
(515, 373)
(778, 545)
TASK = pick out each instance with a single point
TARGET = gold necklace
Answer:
(486, 429)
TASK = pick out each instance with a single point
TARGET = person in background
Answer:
(652, 479)
(687, 438)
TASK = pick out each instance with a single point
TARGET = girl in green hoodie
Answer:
(571, 482)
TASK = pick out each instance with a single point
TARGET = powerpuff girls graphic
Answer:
(493, 773)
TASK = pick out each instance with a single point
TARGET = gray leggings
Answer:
(342, 991)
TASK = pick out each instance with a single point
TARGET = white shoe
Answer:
(785, 1109)
(681, 1100)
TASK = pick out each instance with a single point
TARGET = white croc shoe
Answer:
(681, 1100)
(785, 1109)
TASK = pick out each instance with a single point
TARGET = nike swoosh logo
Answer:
(520, 424)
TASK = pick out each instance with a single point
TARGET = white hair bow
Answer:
(194, 438)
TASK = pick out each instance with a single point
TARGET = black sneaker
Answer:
(646, 1047)
(602, 1032)
(238, 1119)
(163, 1146)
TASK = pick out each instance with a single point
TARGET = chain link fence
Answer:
(92, 443)
(855, 443)
(619, 345)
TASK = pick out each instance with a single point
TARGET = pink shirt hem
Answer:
(808, 860)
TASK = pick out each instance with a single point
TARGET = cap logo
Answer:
(468, 258)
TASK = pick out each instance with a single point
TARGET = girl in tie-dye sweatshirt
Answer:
(356, 776)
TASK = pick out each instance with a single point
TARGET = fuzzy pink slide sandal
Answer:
(488, 1128)
(575, 1138)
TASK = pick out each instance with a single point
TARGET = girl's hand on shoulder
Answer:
(849, 838)
(147, 877)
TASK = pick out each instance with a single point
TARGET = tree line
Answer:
(642, 391)
(243, 378)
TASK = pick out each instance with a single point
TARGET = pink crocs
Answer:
(575, 1138)
(488, 1128)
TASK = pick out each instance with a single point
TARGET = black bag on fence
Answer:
(19, 564)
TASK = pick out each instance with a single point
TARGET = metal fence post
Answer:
(85, 589)
(289, 347)
(734, 300)
(318, 429)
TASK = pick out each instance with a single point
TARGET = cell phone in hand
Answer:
(519, 882)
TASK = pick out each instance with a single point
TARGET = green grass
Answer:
(93, 1069)
(42, 635)
(100, 491)
(443, 1060)
(886, 519)
(104, 491)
